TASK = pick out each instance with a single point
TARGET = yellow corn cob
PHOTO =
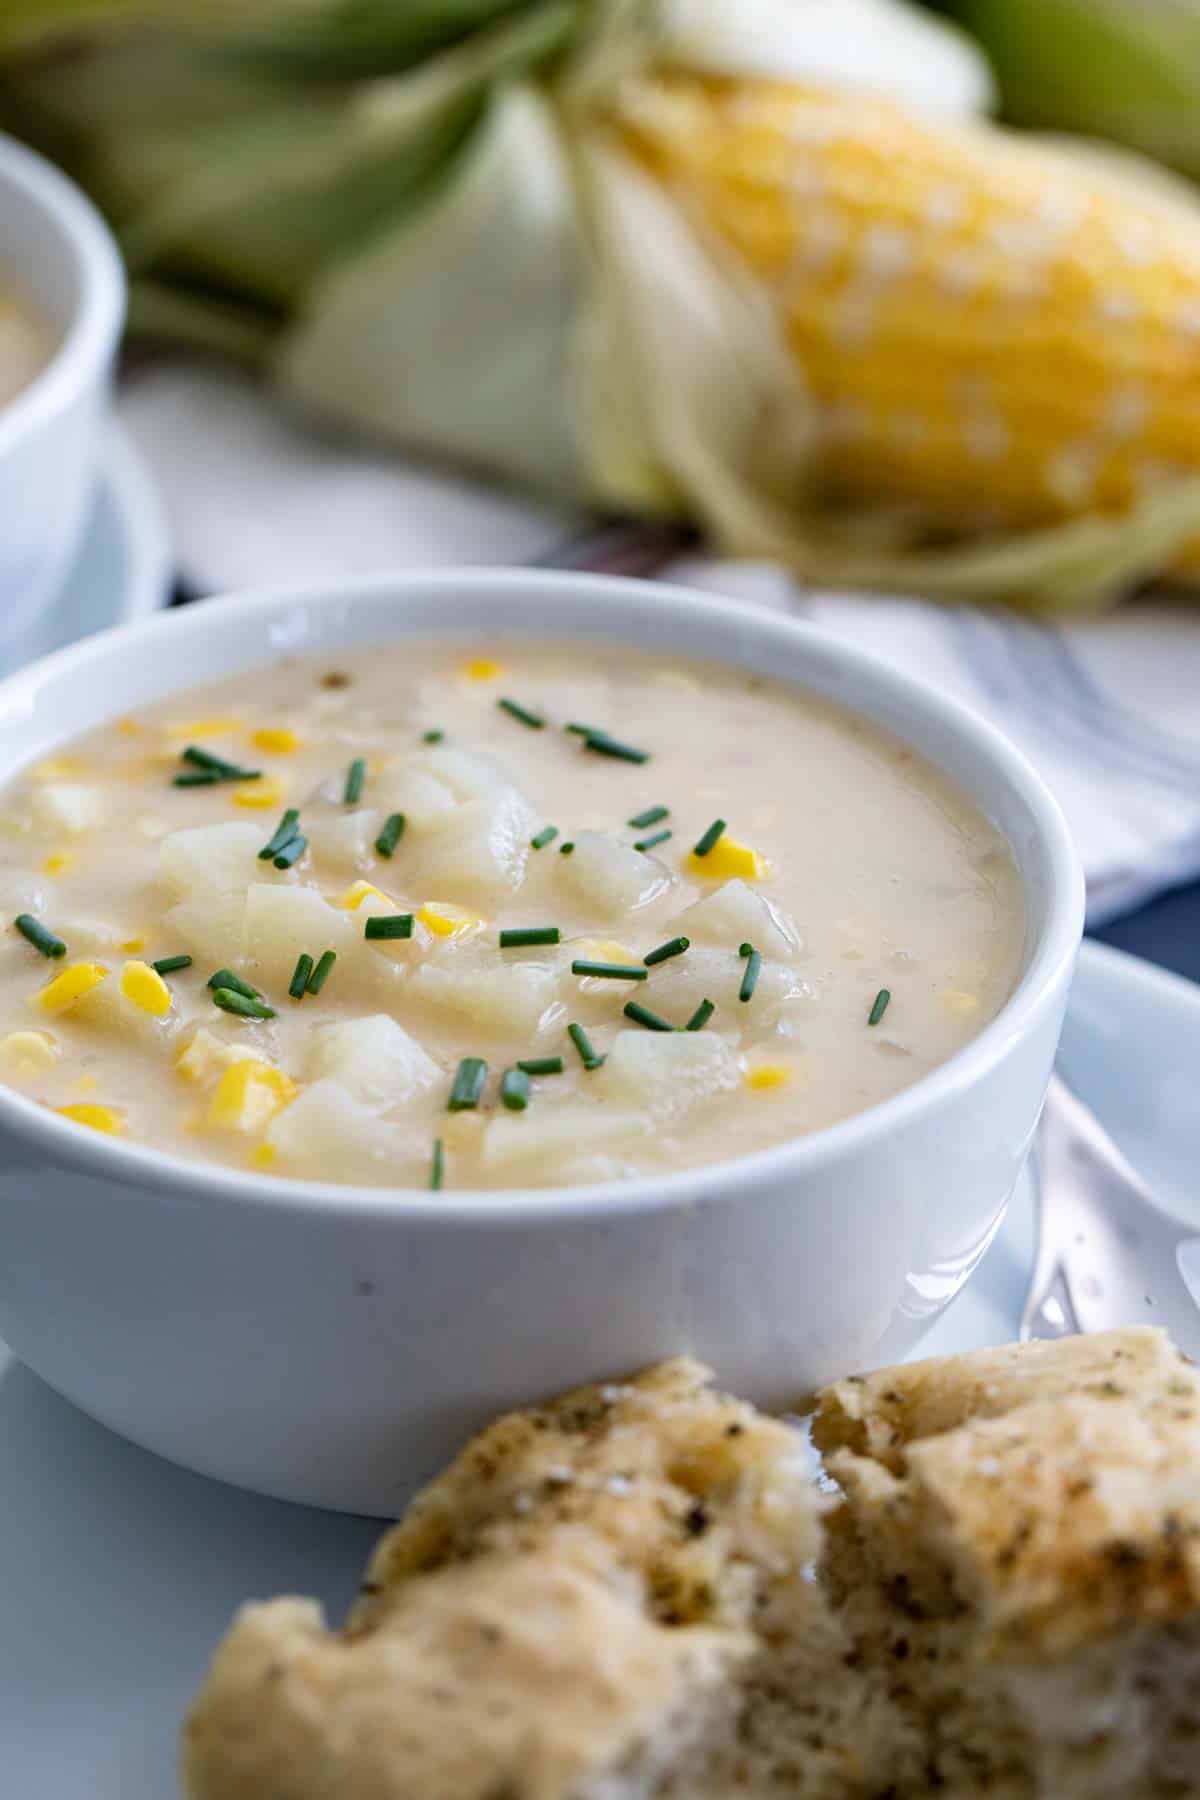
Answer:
(1001, 332)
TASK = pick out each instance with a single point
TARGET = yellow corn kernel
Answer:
(961, 1004)
(59, 768)
(57, 863)
(446, 921)
(354, 896)
(728, 859)
(87, 1084)
(146, 988)
(768, 1075)
(262, 1156)
(67, 989)
(204, 728)
(131, 945)
(248, 1096)
(259, 795)
(28, 1052)
(278, 739)
(482, 668)
(129, 727)
(96, 1118)
(205, 1054)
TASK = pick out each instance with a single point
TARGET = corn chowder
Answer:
(26, 342)
(430, 916)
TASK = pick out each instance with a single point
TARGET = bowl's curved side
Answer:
(50, 432)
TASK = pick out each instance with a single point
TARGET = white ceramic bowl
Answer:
(57, 247)
(333, 1344)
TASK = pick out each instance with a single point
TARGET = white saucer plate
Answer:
(120, 1572)
(122, 570)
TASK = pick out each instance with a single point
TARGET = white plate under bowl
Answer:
(119, 1571)
(122, 570)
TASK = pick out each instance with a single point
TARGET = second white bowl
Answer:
(56, 246)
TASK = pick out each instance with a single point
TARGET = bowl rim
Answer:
(1051, 959)
(89, 342)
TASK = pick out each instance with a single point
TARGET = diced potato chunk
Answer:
(206, 1055)
(546, 1139)
(68, 806)
(328, 1135)
(467, 774)
(25, 1053)
(667, 1074)
(677, 987)
(479, 851)
(283, 923)
(415, 791)
(607, 878)
(220, 859)
(498, 996)
(374, 1059)
(734, 914)
(248, 1096)
(210, 929)
(342, 840)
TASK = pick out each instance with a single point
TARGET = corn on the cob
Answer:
(1002, 334)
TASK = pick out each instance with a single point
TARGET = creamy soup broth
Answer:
(26, 341)
(869, 911)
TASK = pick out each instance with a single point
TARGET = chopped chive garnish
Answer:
(701, 1016)
(604, 745)
(391, 834)
(515, 710)
(514, 1090)
(437, 1167)
(197, 778)
(320, 974)
(655, 838)
(292, 851)
(432, 737)
(389, 925)
(298, 985)
(217, 765)
(608, 971)
(641, 1015)
(541, 1065)
(232, 1002)
(282, 834)
(879, 1006)
(673, 947)
(468, 1085)
(745, 949)
(39, 936)
(651, 816)
(168, 965)
(225, 978)
(712, 836)
(518, 937)
(545, 836)
(356, 774)
(588, 1054)
(566, 849)
(750, 978)
(584, 730)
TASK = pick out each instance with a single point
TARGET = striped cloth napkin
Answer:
(1108, 709)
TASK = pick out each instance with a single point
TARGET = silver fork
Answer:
(1107, 1252)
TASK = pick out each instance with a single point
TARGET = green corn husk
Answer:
(421, 222)
(1128, 70)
